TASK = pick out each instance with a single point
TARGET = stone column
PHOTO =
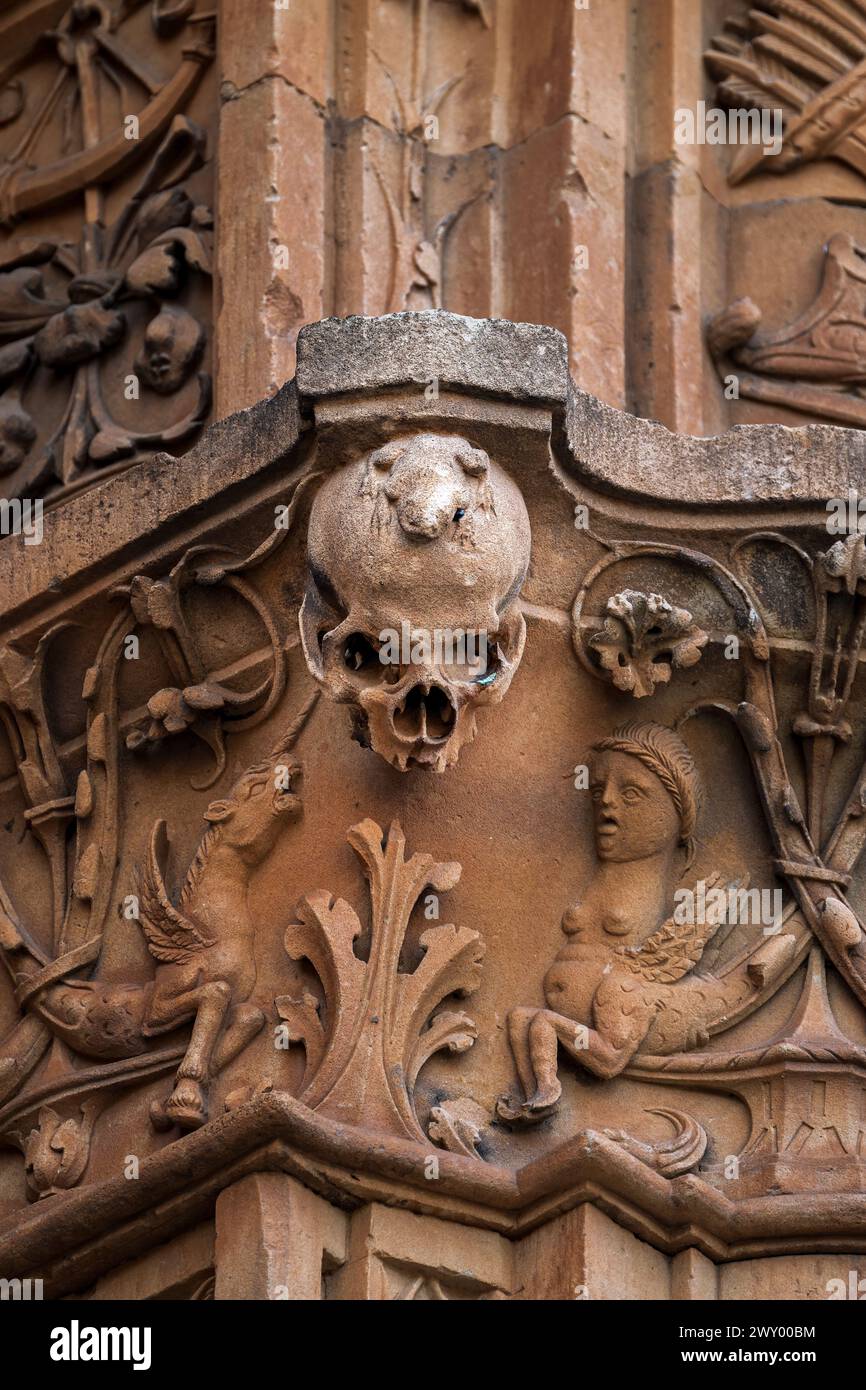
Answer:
(418, 154)
(275, 1239)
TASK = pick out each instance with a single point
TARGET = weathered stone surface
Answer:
(275, 1240)
(773, 465)
(361, 937)
(399, 512)
(124, 516)
(493, 356)
(108, 236)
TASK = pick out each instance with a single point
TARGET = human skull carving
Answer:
(416, 556)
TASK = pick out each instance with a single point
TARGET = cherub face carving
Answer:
(173, 343)
(416, 557)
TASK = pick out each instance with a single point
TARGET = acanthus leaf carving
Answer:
(57, 1150)
(378, 1029)
(459, 1125)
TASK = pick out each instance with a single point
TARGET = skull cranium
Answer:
(423, 543)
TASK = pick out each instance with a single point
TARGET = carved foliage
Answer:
(366, 1047)
(69, 308)
(57, 1150)
(644, 639)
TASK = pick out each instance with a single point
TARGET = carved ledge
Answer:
(84, 1233)
(752, 467)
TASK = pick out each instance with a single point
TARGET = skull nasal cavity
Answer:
(422, 713)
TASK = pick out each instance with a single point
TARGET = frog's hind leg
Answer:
(546, 1031)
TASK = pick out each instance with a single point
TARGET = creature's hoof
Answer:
(187, 1117)
(187, 1105)
(529, 1112)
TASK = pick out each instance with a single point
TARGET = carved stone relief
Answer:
(245, 924)
(420, 160)
(817, 364)
(433, 539)
(803, 66)
(806, 59)
(363, 1063)
(106, 261)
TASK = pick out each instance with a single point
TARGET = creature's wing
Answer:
(171, 937)
(673, 949)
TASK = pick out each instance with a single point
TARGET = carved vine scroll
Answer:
(106, 263)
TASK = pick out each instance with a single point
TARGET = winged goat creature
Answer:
(204, 947)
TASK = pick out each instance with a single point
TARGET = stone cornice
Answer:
(751, 468)
(79, 1235)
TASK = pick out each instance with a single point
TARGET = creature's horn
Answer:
(293, 732)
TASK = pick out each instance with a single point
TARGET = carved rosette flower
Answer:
(644, 639)
(843, 566)
(367, 1044)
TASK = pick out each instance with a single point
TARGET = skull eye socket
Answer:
(360, 656)
(487, 672)
(367, 662)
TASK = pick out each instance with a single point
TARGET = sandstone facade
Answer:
(431, 650)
